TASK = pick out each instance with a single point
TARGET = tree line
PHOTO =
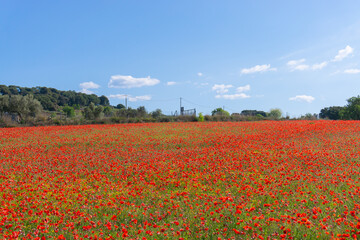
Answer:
(52, 99)
(351, 111)
(273, 114)
(49, 106)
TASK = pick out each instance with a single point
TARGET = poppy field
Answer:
(218, 180)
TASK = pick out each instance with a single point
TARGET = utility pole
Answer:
(126, 101)
(181, 107)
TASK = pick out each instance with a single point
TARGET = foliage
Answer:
(157, 113)
(93, 112)
(332, 113)
(51, 99)
(352, 110)
(23, 106)
(275, 114)
(120, 106)
(76, 106)
(4, 104)
(201, 117)
(108, 111)
(309, 116)
(253, 113)
(69, 111)
(141, 112)
(220, 112)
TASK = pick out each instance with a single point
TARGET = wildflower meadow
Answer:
(218, 180)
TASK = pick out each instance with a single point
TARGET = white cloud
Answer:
(319, 66)
(130, 98)
(170, 83)
(85, 86)
(120, 81)
(294, 63)
(343, 53)
(352, 71)
(86, 91)
(233, 96)
(243, 89)
(297, 64)
(140, 98)
(258, 68)
(118, 96)
(199, 74)
(301, 67)
(89, 85)
(301, 98)
(221, 88)
(200, 84)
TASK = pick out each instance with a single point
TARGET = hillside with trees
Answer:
(50, 106)
(52, 99)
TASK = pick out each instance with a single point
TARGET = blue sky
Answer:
(299, 56)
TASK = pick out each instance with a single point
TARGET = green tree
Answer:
(275, 113)
(24, 106)
(69, 111)
(4, 104)
(141, 111)
(98, 111)
(93, 99)
(108, 111)
(80, 100)
(309, 116)
(220, 112)
(253, 113)
(121, 112)
(131, 113)
(201, 117)
(332, 113)
(46, 102)
(4, 90)
(352, 110)
(157, 113)
(14, 90)
(89, 111)
(120, 106)
(104, 100)
(76, 106)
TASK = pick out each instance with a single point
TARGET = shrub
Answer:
(201, 117)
